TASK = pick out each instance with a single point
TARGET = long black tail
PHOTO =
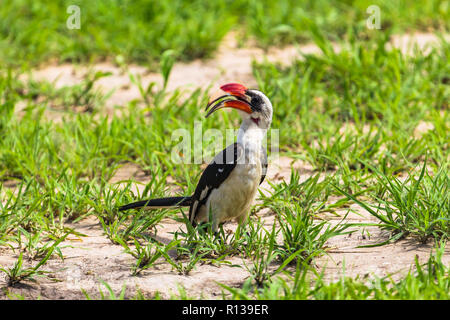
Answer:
(159, 203)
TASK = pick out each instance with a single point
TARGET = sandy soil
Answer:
(93, 257)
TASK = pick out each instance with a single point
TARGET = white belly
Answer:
(233, 199)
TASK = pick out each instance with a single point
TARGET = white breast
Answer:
(234, 197)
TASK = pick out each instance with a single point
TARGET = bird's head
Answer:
(252, 104)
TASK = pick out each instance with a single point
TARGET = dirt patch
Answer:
(424, 42)
(90, 258)
(422, 128)
(346, 258)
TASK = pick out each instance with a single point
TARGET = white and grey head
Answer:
(253, 105)
(261, 108)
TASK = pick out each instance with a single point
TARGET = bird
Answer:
(228, 185)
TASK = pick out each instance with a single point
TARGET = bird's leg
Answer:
(216, 232)
(211, 218)
(242, 221)
(215, 226)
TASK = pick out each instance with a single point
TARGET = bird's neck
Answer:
(250, 136)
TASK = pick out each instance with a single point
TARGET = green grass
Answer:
(296, 206)
(368, 86)
(140, 31)
(351, 115)
(429, 281)
(419, 206)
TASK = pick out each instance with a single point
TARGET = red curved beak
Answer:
(235, 89)
(235, 98)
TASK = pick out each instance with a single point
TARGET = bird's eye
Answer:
(256, 101)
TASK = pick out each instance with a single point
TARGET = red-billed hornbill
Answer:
(228, 185)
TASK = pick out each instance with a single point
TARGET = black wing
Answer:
(264, 164)
(214, 175)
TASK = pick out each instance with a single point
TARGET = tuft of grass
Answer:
(18, 273)
(418, 206)
(111, 294)
(296, 205)
(145, 255)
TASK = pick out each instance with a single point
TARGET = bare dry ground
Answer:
(93, 257)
